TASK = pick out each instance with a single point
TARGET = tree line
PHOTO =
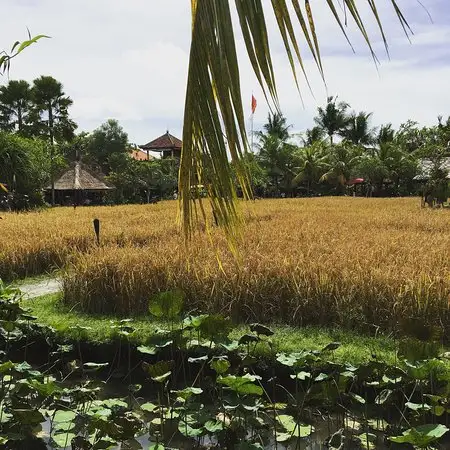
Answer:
(341, 154)
(38, 142)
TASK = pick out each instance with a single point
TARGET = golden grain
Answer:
(345, 261)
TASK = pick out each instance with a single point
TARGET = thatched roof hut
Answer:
(79, 184)
(79, 177)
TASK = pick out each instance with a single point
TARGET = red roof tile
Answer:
(140, 155)
(164, 142)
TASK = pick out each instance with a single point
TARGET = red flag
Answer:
(254, 104)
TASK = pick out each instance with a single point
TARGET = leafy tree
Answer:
(124, 177)
(77, 148)
(341, 165)
(107, 140)
(313, 135)
(277, 126)
(401, 166)
(141, 181)
(374, 171)
(276, 157)
(358, 130)
(410, 138)
(151, 178)
(259, 180)
(168, 182)
(333, 119)
(51, 110)
(24, 168)
(386, 134)
(389, 165)
(275, 154)
(15, 106)
(438, 185)
(50, 116)
(311, 165)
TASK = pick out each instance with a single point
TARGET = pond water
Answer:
(323, 429)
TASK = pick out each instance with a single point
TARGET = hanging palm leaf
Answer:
(214, 124)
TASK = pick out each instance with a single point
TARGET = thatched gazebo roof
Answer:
(79, 178)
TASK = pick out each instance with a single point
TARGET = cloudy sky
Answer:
(127, 59)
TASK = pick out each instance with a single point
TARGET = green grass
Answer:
(355, 348)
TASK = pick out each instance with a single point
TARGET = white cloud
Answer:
(128, 59)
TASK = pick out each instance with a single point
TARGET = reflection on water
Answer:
(317, 441)
(324, 428)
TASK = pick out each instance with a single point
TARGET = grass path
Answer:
(355, 348)
(33, 288)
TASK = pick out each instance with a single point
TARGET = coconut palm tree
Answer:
(341, 165)
(358, 130)
(312, 136)
(312, 163)
(15, 106)
(333, 119)
(277, 126)
(276, 157)
(386, 134)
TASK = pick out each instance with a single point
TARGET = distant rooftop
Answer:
(164, 142)
(141, 155)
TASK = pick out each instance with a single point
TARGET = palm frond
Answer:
(214, 125)
(213, 106)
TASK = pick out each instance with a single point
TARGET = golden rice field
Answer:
(352, 262)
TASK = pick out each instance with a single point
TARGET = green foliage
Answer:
(341, 164)
(15, 106)
(17, 48)
(276, 157)
(25, 169)
(167, 305)
(421, 436)
(220, 365)
(438, 185)
(230, 408)
(358, 130)
(293, 428)
(241, 385)
(50, 111)
(333, 118)
(386, 159)
(277, 126)
(108, 147)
